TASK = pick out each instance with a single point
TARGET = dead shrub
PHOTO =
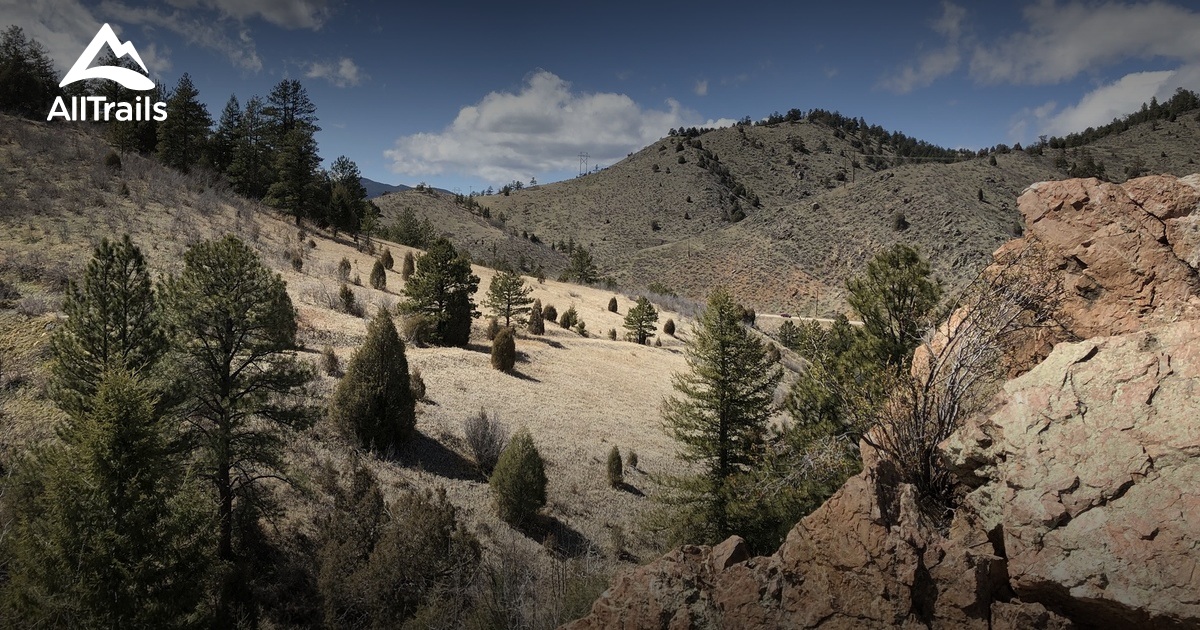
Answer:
(486, 437)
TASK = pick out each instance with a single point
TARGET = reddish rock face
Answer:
(1082, 504)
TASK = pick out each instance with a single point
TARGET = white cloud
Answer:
(64, 27)
(290, 14)
(194, 30)
(1101, 105)
(342, 73)
(929, 68)
(1063, 41)
(701, 88)
(541, 128)
(936, 63)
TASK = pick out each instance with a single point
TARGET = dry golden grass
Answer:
(578, 396)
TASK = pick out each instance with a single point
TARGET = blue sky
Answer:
(466, 95)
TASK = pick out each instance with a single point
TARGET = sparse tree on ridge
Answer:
(640, 320)
(582, 268)
(508, 297)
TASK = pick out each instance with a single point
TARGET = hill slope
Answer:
(578, 396)
(828, 201)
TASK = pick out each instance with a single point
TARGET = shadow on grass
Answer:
(625, 487)
(558, 536)
(425, 453)
(521, 375)
(549, 342)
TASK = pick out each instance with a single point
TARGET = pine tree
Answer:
(289, 109)
(291, 127)
(183, 136)
(504, 350)
(612, 304)
(441, 287)
(374, 400)
(519, 480)
(234, 333)
(721, 414)
(28, 80)
(250, 170)
(225, 138)
(347, 197)
(115, 538)
(582, 268)
(508, 297)
(537, 326)
(386, 259)
(297, 186)
(113, 321)
(895, 297)
(640, 320)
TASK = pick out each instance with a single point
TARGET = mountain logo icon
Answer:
(126, 77)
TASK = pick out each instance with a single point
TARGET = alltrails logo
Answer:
(140, 110)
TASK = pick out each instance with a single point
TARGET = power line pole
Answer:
(583, 160)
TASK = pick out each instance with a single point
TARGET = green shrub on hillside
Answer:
(519, 481)
(504, 350)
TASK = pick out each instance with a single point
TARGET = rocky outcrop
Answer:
(1090, 471)
(1122, 257)
(1080, 506)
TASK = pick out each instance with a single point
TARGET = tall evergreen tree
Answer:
(347, 195)
(442, 287)
(225, 138)
(183, 136)
(234, 332)
(373, 401)
(28, 81)
(297, 186)
(720, 417)
(289, 109)
(115, 539)
(508, 297)
(250, 170)
(113, 321)
(640, 320)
